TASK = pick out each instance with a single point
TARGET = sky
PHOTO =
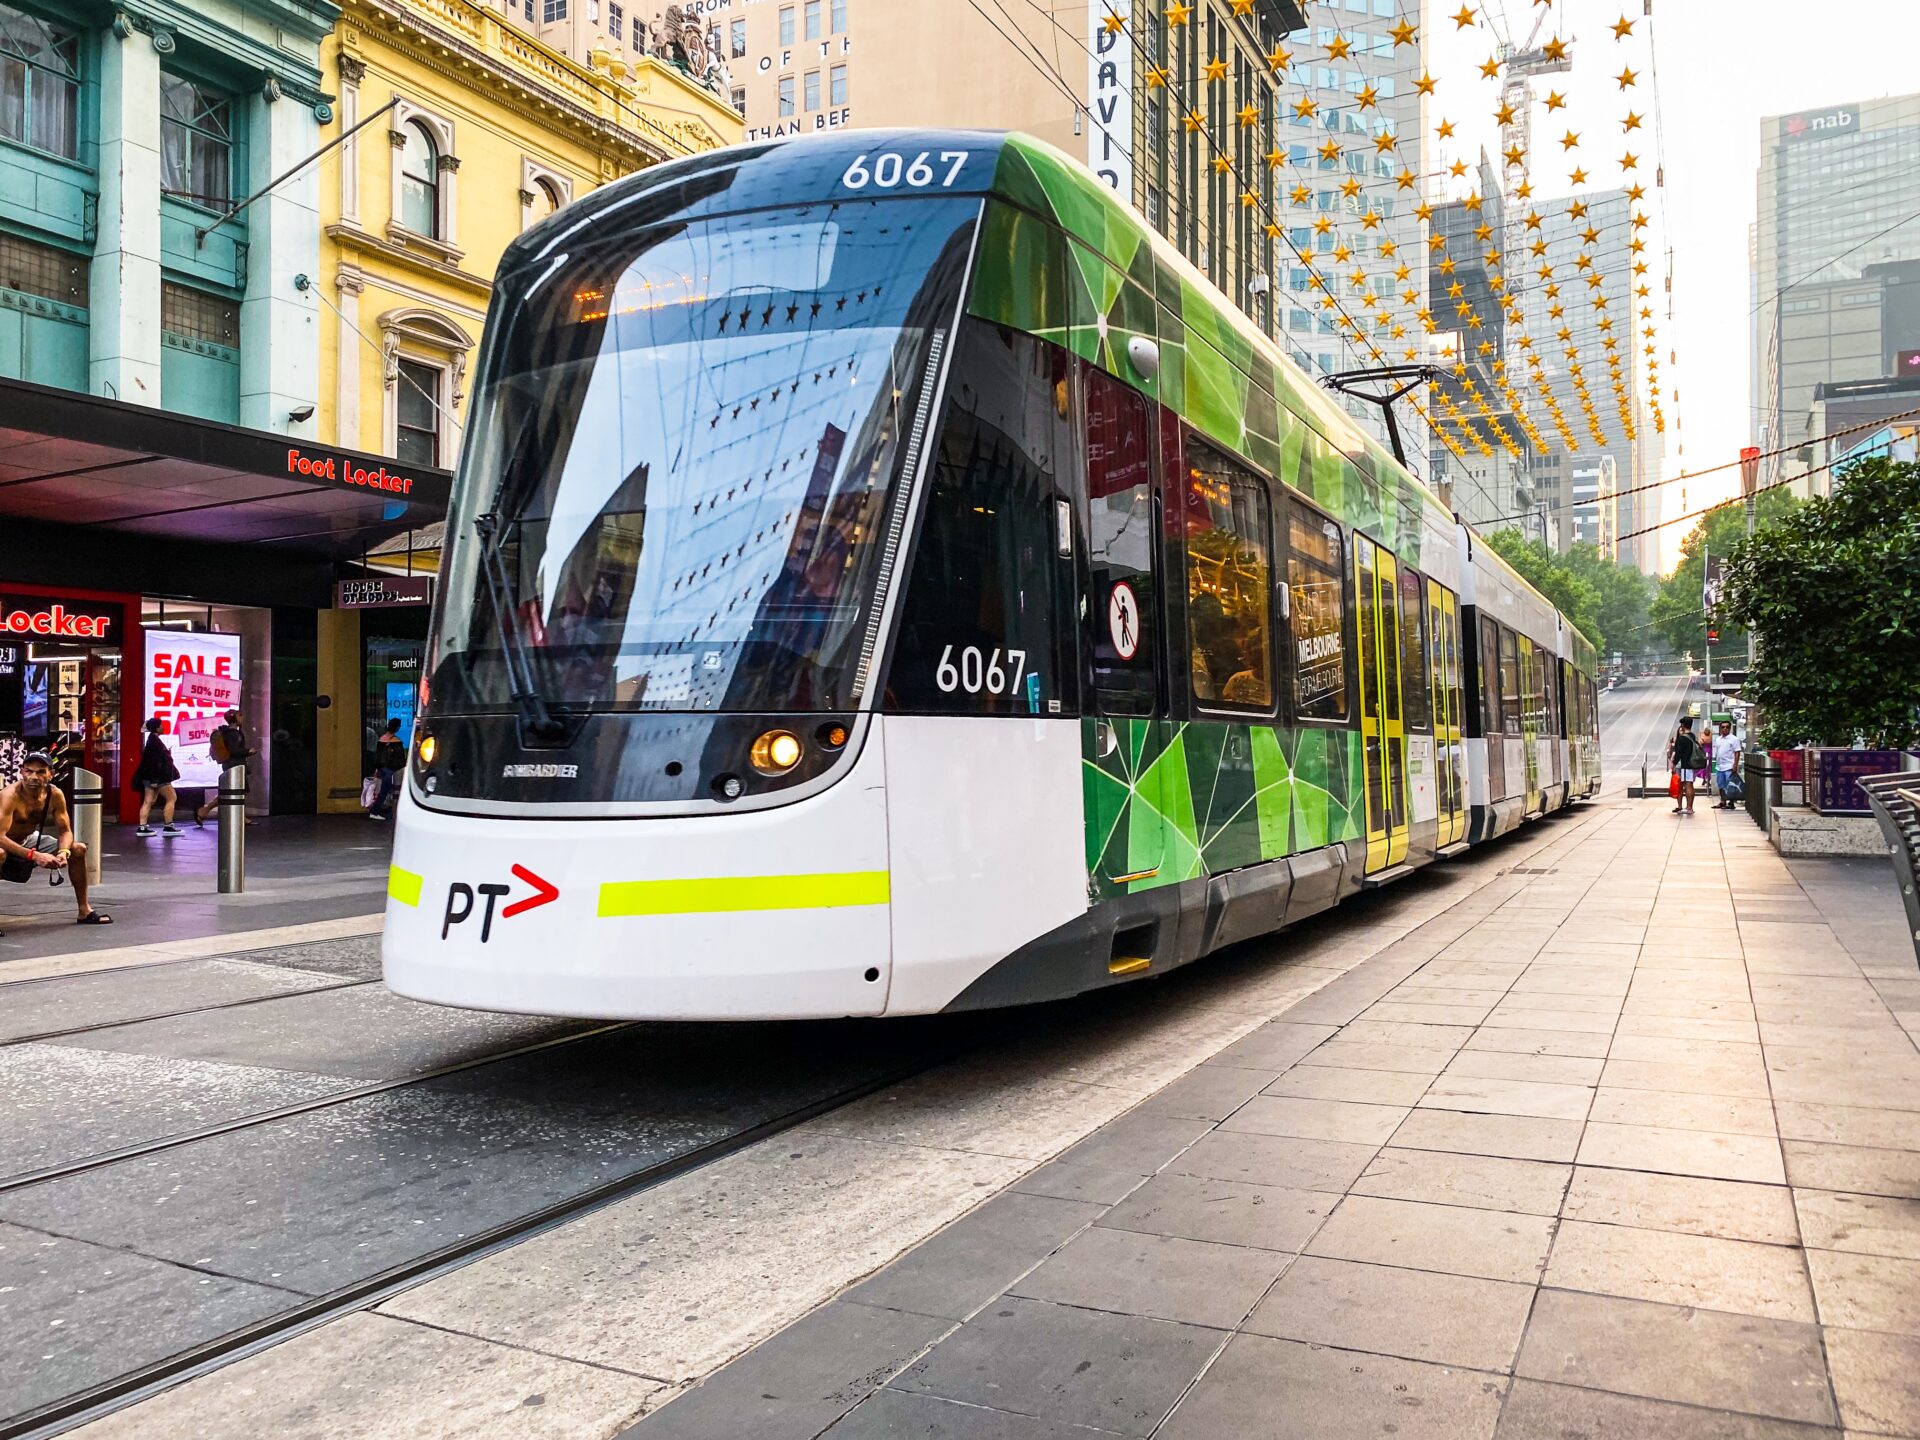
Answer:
(1721, 67)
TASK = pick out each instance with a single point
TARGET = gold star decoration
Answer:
(1215, 69)
(1569, 140)
(1114, 22)
(1195, 122)
(1350, 187)
(1458, 168)
(1577, 210)
(1370, 221)
(1384, 141)
(1280, 58)
(1330, 150)
(1322, 226)
(1632, 122)
(1403, 33)
(1622, 28)
(1516, 155)
(1424, 84)
(1304, 107)
(1464, 19)
(1504, 114)
(1341, 254)
(1556, 101)
(1490, 67)
(1405, 180)
(1276, 158)
(1626, 78)
(1242, 8)
(1156, 76)
(1577, 176)
(1444, 130)
(1178, 13)
(1555, 49)
(1629, 161)
(1249, 199)
(1338, 47)
(1533, 220)
(1221, 164)
(1300, 195)
(1249, 113)
(1367, 97)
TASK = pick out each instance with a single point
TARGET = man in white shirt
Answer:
(1726, 761)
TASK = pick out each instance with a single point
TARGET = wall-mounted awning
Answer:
(80, 460)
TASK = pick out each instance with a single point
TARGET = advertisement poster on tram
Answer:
(192, 678)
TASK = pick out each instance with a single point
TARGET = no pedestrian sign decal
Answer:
(1123, 620)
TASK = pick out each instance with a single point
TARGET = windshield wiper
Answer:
(536, 718)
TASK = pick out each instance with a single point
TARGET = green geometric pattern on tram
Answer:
(1214, 797)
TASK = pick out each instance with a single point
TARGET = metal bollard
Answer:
(89, 794)
(232, 821)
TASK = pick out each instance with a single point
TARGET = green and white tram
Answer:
(884, 578)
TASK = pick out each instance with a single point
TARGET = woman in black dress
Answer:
(155, 778)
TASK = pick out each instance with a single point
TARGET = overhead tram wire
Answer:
(1682, 478)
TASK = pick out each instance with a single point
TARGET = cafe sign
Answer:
(383, 592)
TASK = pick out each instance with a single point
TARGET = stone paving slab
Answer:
(1636, 1155)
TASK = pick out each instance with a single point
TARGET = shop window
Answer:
(416, 436)
(419, 181)
(1416, 681)
(39, 83)
(987, 626)
(196, 142)
(1229, 583)
(1317, 615)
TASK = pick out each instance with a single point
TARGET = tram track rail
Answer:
(115, 1024)
(121, 1392)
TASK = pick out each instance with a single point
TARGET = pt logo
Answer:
(462, 897)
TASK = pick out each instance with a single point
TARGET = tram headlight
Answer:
(427, 748)
(775, 752)
(831, 735)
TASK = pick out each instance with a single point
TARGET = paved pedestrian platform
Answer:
(1632, 1150)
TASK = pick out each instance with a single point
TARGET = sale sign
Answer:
(193, 678)
(216, 690)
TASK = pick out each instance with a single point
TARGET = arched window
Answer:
(546, 200)
(420, 181)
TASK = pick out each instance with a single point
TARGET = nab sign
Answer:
(1819, 124)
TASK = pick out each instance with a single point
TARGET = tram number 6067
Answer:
(979, 672)
(890, 170)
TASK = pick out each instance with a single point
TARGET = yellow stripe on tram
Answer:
(744, 892)
(404, 885)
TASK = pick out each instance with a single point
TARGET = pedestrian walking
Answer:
(1726, 764)
(228, 746)
(1688, 761)
(155, 777)
(389, 759)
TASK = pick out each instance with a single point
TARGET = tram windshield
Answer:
(684, 445)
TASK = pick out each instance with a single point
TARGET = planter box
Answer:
(1830, 783)
(1806, 833)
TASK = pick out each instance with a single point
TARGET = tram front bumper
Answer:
(726, 917)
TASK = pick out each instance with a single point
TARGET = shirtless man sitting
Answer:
(39, 831)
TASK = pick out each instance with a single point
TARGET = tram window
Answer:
(1509, 682)
(1317, 611)
(1120, 541)
(1415, 680)
(1536, 685)
(1229, 583)
(1489, 676)
(984, 629)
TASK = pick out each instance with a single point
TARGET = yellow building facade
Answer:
(489, 131)
(473, 131)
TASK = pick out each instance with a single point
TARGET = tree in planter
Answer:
(1832, 592)
(1677, 616)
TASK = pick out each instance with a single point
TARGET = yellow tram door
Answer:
(1382, 728)
(1532, 719)
(1443, 624)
